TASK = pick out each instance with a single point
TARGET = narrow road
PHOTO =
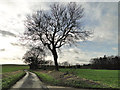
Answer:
(30, 80)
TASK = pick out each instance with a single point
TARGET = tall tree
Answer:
(56, 27)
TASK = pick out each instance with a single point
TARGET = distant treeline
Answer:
(106, 62)
(53, 66)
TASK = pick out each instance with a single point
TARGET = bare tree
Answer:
(59, 26)
(34, 56)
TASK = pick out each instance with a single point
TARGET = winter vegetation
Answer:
(46, 33)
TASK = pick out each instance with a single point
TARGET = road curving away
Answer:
(30, 80)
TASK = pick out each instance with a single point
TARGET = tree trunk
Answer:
(54, 52)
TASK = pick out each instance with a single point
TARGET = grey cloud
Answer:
(78, 59)
(82, 60)
(17, 44)
(2, 49)
(16, 58)
(75, 51)
(7, 33)
(14, 44)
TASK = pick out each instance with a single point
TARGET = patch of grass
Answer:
(106, 77)
(11, 74)
(82, 84)
(11, 80)
(47, 78)
(61, 79)
(11, 68)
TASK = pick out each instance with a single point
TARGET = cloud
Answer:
(2, 49)
(7, 33)
(115, 48)
(14, 55)
(103, 19)
(15, 44)
(73, 55)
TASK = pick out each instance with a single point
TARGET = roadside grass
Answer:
(62, 79)
(11, 68)
(11, 74)
(7, 82)
(83, 84)
(106, 77)
(47, 78)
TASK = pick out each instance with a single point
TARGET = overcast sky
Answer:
(101, 17)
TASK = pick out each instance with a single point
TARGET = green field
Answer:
(11, 74)
(109, 78)
(56, 78)
(106, 77)
(11, 68)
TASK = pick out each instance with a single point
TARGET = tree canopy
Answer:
(58, 26)
(34, 57)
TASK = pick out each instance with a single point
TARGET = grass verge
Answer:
(47, 78)
(63, 79)
(7, 82)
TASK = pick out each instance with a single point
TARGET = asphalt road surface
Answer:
(30, 80)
